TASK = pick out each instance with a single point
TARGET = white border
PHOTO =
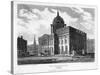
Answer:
(33, 68)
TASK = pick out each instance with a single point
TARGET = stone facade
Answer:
(21, 47)
(63, 40)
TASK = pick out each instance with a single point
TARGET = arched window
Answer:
(59, 41)
(62, 49)
(62, 41)
(66, 49)
(65, 41)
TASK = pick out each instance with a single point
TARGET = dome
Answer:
(58, 19)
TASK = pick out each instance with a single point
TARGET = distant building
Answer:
(46, 45)
(63, 40)
(91, 46)
(21, 47)
(33, 48)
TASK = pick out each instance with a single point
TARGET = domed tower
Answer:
(58, 22)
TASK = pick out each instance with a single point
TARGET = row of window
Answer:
(47, 48)
(63, 49)
(61, 41)
(60, 47)
(78, 31)
(51, 42)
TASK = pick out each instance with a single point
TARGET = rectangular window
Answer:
(59, 41)
(62, 41)
(65, 49)
(51, 42)
(65, 41)
(62, 50)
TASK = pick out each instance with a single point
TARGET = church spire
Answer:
(57, 13)
(34, 40)
(34, 45)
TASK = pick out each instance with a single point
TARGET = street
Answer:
(54, 59)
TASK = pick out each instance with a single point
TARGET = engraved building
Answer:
(63, 40)
(21, 47)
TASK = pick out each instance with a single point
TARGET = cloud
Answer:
(67, 18)
(85, 17)
(85, 21)
(27, 14)
(84, 14)
(39, 21)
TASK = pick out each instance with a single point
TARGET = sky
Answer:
(35, 20)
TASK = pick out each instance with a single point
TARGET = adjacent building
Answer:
(46, 45)
(21, 47)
